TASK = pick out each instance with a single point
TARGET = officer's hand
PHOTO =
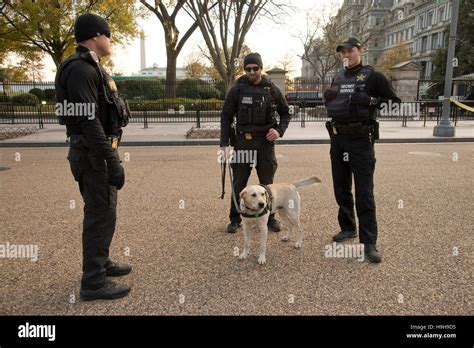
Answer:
(360, 98)
(116, 176)
(272, 134)
(330, 94)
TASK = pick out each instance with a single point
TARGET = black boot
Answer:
(233, 226)
(371, 253)
(109, 291)
(273, 225)
(343, 235)
(115, 269)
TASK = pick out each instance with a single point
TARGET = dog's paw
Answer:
(243, 256)
(285, 239)
(261, 259)
(298, 245)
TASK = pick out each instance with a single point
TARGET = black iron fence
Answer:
(198, 102)
(209, 112)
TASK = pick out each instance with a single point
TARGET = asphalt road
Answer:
(171, 226)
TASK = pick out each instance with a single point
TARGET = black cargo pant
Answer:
(354, 156)
(266, 165)
(100, 203)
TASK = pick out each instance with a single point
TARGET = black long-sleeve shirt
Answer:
(81, 82)
(231, 105)
(378, 86)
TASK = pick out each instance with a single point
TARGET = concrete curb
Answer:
(214, 142)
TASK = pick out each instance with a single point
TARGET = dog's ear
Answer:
(267, 197)
(242, 194)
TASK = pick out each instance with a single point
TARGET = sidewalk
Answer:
(159, 134)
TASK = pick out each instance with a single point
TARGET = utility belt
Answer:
(251, 135)
(76, 138)
(353, 129)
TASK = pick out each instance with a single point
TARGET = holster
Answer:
(232, 134)
(329, 127)
(375, 131)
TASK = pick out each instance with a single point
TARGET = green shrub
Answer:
(220, 86)
(25, 98)
(197, 89)
(50, 94)
(39, 93)
(4, 98)
(141, 88)
(177, 104)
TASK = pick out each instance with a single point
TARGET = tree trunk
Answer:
(229, 82)
(170, 88)
(57, 57)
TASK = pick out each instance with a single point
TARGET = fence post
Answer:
(198, 115)
(303, 114)
(40, 116)
(425, 115)
(456, 110)
(145, 116)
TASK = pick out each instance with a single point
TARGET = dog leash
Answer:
(223, 168)
(234, 199)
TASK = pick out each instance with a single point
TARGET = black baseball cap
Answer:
(349, 43)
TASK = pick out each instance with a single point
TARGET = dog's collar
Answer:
(268, 206)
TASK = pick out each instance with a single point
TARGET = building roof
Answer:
(276, 70)
(465, 77)
(408, 63)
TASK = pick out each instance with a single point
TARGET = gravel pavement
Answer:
(171, 226)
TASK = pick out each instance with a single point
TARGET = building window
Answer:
(434, 41)
(376, 43)
(429, 19)
(420, 22)
(424, 43)
(441, 14)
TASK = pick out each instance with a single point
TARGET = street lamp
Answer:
(445, 128)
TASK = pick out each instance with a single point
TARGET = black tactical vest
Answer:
(256, 105)
(339, 108)
(113, 111)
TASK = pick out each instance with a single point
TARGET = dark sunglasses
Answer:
(254, 69)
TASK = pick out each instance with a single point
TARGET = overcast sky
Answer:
(272, 41)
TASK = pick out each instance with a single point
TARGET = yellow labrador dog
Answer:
(257, 202)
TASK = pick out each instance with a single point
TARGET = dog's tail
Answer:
(307, 181)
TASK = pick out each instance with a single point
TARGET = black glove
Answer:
(116, 175)
(360, 98)
(330, 94)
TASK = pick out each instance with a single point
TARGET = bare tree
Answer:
(239, 67)
(224, 28)
(172, 41)
(319, 43)
(194, 66)
(287, 63)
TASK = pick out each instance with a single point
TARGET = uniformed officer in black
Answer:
(351, 103)
(82, 84)
(254, 100)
